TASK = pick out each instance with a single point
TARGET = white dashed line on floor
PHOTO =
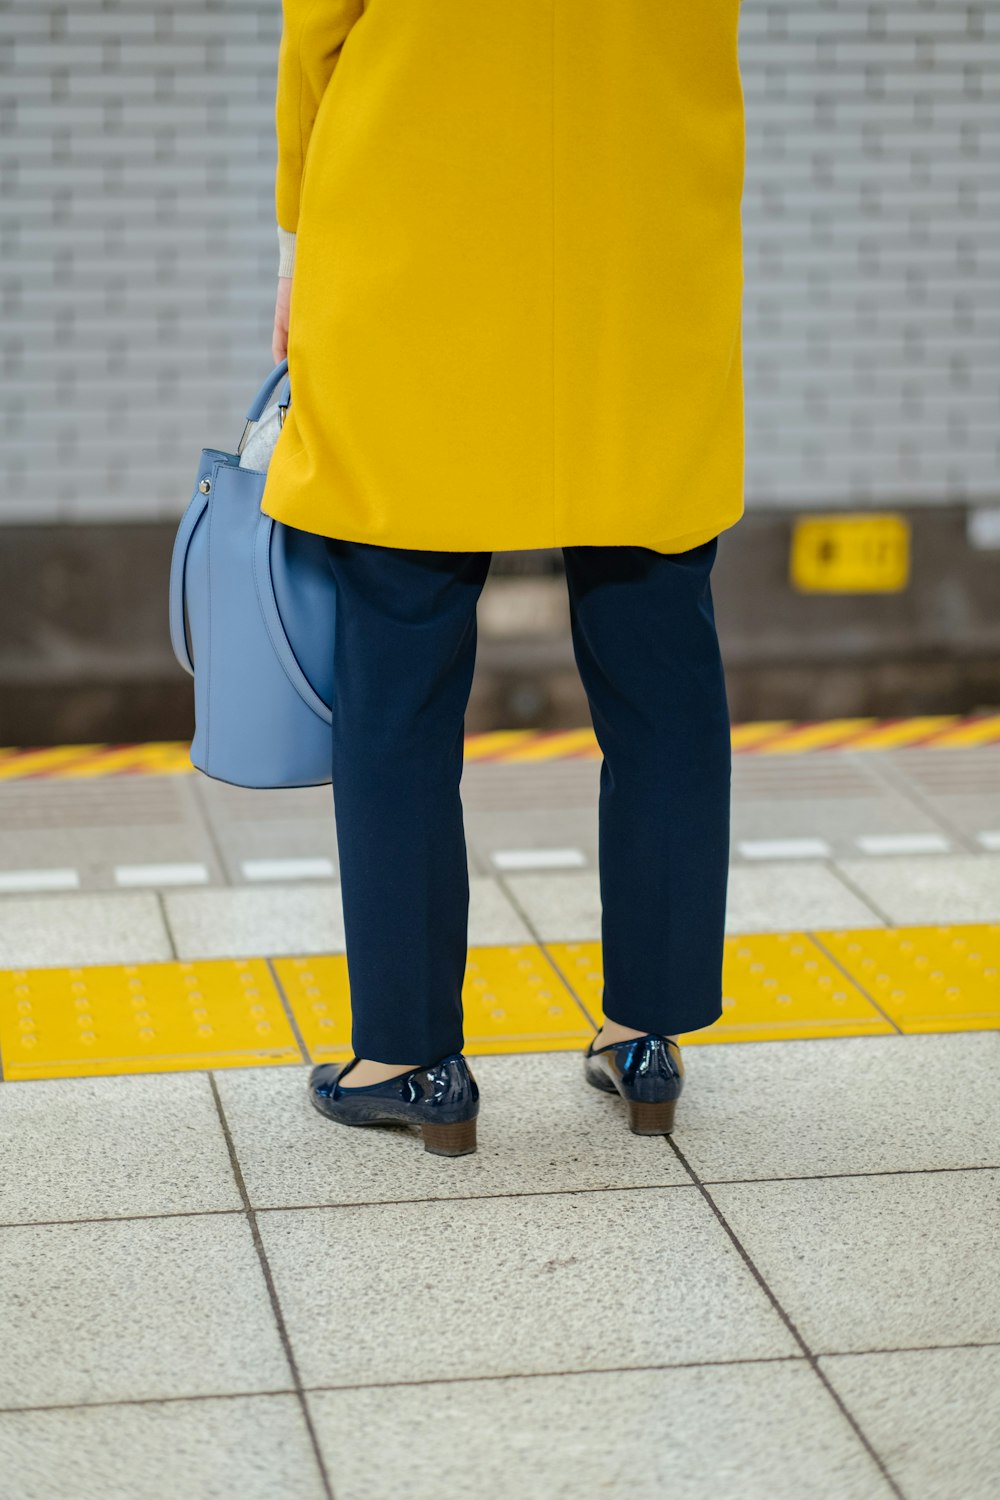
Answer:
(319, 868)
(903, 843)
(989, 838)
(539, 859)
(39, 880)
(784, 848)
(194, 873)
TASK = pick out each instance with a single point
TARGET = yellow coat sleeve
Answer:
(312, 34)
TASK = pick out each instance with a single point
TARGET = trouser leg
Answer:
(404, 656)
(645, 641)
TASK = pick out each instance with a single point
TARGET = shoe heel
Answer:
(450, 1140)
(645, 1118)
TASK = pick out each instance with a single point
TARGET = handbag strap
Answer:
(178, 568)
(266, 391)
(272, 621)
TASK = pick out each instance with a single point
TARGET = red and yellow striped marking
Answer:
(522, 746)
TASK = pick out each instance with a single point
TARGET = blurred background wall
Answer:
(137, 271)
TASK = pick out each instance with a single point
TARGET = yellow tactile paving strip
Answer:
(142, 1018)
(513, 999)
(770, 737)
(774, 986)
(926, 978)
(226, 1013)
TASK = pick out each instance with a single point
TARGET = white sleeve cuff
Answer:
(286, 251)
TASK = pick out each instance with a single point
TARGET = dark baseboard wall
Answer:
(85, 651)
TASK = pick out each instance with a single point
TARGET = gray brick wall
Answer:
(137, 248)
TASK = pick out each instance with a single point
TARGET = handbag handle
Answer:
(263, 396)
(272, 621)
(194, 513)
(178, 564)
(266, 391)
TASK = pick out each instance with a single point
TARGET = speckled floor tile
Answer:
(721, 1431)
(933, 1416)
(280, 919)
(134, 1309)
(560, 908)
(91, 1148)
(492, 918)
(931, 888)
(841, 1105)
(52, 931)
(265, 919)
(541, 1129)
(792, 894)
(254, 1447)
(868, 1263)
(497, 1286)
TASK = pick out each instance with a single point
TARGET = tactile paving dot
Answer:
(774, 985)
(141, 1018)
(512, 998)
(926, 978)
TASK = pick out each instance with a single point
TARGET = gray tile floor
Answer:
(209, 1291)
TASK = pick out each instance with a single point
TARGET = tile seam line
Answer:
(209, 829)
(16, 1411)
(362, 1385)
(289, 1391)
(502, 879)
(543, 945)
(638, 1187)
(811, 1358)
(683, 1364)
(290, 1015)
(833, 959)
(903, 781)
(565, 980)
(272, 1291)
(832, 863)
(657, 1187)
(161, 907)
(687, 1364)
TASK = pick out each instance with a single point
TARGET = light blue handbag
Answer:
(253, 619)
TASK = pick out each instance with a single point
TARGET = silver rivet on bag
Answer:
(205, 486)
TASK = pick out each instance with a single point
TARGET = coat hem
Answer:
(513, 543)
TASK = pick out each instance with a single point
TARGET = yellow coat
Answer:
(516, 305)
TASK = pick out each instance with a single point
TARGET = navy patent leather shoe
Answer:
(647, 1071)
(442, 1099)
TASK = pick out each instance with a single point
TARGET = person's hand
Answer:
(279, 342)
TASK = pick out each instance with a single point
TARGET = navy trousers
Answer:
(645, 643)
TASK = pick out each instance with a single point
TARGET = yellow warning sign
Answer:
(850, 554)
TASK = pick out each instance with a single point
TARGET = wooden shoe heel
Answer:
(645, 1118)
(450, 1140)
